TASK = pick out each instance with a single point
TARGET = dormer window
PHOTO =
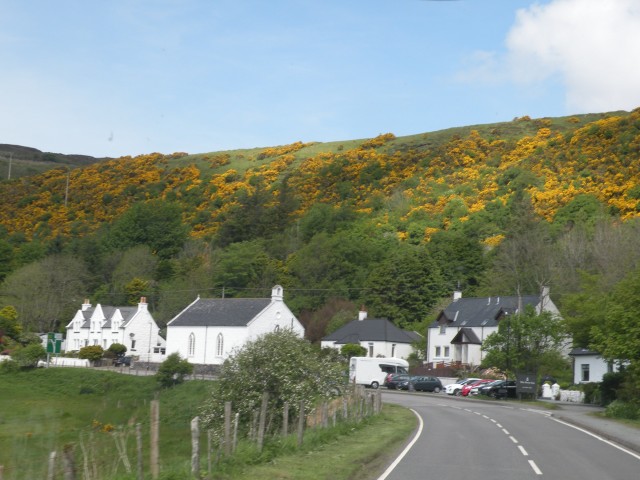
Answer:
(443, 329)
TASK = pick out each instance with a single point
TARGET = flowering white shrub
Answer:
(285, 366)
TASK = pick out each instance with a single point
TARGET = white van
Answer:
(371, 372)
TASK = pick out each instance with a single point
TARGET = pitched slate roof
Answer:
(370, 330)
(220, 312)
(481, 312)
(126, 312)
(466, 335)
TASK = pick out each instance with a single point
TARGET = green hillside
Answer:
(392, 223)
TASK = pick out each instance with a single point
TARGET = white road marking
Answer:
(535, 467)
(635, 455)
(505, 431)
(513, 439)
(407, 448)
(524, 452)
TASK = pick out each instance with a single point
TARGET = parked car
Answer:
(500, 389)
(122, 361)
(398, 380)
(466, 389)
(455, 388)
(476, 390)
(426, 384)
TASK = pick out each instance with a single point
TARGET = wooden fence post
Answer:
(285, 419)
(52, 467)
(227, 428)
(301, 420)
(140, 465)
(236, 420)
(195, 447)
(263, 419)
(69, 462)
(155, 439)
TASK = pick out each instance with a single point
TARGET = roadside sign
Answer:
(54, 342)
(526, 383)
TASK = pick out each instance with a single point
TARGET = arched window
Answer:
(192, 345)
(219, 345)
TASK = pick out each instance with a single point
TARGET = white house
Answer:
(133, 327)
(209, 330)
(589, 366)
(379, 336)
(457, 335)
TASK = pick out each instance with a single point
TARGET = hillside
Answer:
(425, 181)
(17, 161)
(395, 223)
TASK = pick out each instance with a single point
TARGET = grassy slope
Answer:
(43, 410)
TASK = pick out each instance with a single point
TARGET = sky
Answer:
(131, 77)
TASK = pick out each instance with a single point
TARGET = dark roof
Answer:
(481, 312)
(126, 312)
(369, 330)
(582, 351)
(466, 335)
(220, 312)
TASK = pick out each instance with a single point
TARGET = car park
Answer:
(456, 388)
(426, 384)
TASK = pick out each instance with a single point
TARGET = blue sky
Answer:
(129, 77)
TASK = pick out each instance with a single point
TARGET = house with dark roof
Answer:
(589, 366)
(379, 336)
(456, 336)
(210, 329)
(104, 325)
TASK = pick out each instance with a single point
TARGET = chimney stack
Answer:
(362, 314)
(86, 305)
(457, 295)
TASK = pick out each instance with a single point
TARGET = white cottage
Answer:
(133, 327)
(209, 330)
(589, 366)
(457, 335)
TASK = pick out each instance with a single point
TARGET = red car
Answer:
(467, 388)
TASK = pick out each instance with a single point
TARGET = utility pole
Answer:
(10, 160)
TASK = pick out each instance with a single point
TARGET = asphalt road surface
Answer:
(463, 438)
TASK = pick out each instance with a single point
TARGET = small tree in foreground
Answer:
(173, 370)
(285, 366)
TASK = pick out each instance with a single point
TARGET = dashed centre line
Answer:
(532, 464)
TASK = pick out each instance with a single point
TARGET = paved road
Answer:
(463, 438)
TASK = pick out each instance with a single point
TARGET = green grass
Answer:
(43, 410)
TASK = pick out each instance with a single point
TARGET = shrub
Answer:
(281, 364)
(626, 410)
(117, 349)
(353, 350)
(173, 370)
(27, 357)
(91, 353)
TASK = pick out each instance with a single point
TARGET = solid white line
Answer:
(407, 448)
(535, 467)
(602, 439)
(524, 452)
